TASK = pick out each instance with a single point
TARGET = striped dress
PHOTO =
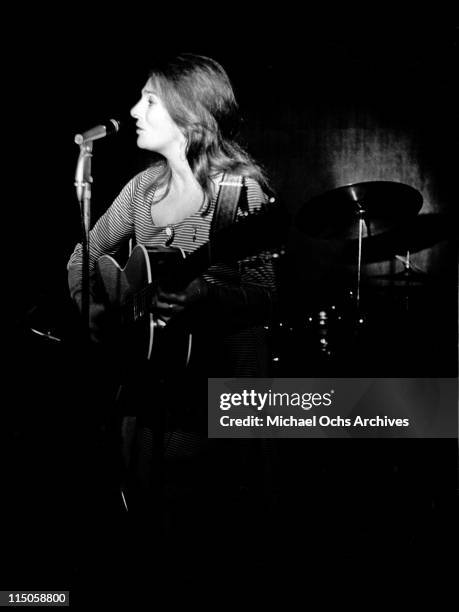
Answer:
(243, 291)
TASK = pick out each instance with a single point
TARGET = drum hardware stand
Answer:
(408, 275)
(361, 215)
(409, 267)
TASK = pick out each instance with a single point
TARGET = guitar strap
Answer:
(232, 192)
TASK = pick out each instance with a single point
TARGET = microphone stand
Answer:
(83, 180)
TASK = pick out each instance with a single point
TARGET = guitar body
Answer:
(130, 324)
(129, 291)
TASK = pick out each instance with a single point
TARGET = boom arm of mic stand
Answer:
(83, 180)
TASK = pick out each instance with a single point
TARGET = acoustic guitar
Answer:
(129, 291)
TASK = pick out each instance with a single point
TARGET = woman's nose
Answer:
(133, 111)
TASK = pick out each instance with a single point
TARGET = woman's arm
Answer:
(107, 235)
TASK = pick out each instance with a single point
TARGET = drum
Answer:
(320, 342)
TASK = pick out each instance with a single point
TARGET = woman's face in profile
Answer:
(156, 130)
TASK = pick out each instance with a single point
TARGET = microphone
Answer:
(112, 126)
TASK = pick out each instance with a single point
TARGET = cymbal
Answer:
(414, 235)
(335, 214)
(406, 277)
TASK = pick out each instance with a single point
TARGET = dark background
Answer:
(324, 105)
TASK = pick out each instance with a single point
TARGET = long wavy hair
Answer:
(198, 95)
